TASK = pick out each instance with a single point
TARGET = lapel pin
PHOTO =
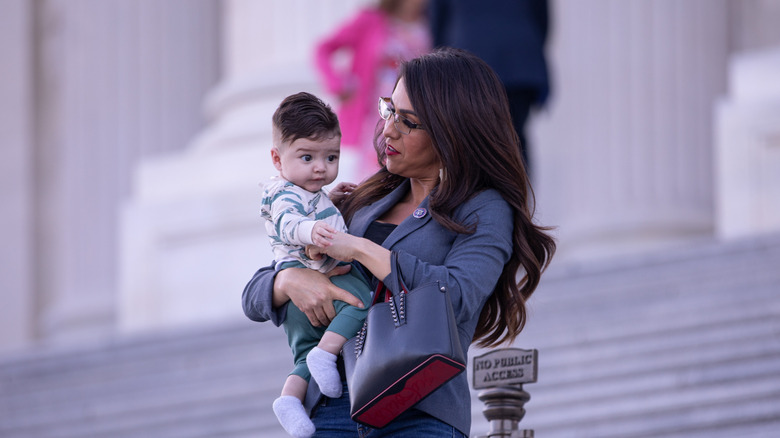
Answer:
(419, 213)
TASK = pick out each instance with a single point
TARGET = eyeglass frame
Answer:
(386, 103)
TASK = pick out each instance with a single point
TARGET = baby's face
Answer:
(311, 164)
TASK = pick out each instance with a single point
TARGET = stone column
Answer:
(115, 81)
(625, 149)
(16, 188)
(747, 125)
(748, 147)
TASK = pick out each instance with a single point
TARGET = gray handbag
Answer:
(408, 347)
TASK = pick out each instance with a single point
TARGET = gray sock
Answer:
(292, 416)
(322, 366)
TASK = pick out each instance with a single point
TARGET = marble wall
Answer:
(99, 86)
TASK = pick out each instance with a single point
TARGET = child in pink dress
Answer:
(377, 39)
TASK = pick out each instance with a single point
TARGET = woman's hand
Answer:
(347, 248)
(312, 292)
(343, 246)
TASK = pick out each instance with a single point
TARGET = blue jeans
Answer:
(332, 420)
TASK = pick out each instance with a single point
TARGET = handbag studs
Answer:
(360, 341)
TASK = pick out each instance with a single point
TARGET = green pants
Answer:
(302, 336)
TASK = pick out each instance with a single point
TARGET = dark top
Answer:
(376, 232)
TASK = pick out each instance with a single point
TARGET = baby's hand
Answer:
(314, 252)
(341, 191)
(322, 233)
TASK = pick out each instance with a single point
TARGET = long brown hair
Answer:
(463, 106)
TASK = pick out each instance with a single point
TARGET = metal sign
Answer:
(506, 366)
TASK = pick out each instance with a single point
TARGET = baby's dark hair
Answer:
(304, 115)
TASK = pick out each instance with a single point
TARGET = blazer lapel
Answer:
(368, 214)
(420, 217)
(363, 218)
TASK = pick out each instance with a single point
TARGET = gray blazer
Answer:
(469, 264)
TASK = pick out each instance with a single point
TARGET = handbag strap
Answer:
(397, 303)
(396, 299)
(383, 293)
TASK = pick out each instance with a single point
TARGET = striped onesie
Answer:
(290, 212)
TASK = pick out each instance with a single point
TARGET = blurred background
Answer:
(135, 136)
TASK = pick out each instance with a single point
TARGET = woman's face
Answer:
(409, 155)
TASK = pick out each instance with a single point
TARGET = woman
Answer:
(451, 204)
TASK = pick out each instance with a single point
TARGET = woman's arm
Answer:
(257, 297)
(266, 294)
(346, 247)
(470, 264)
(475, 262)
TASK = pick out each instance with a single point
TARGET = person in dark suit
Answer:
(510, 35)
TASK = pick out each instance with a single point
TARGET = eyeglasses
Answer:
(402, 124)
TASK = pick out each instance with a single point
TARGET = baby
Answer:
(306, 144)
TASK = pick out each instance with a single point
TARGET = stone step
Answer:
(190, 423)
(613, 290)
(114, 402)
(745, 255)
(151, 370)
(576, 390)
(168, 389)
(754, 426)
(674, 421)
(666, 345)
(617, 282)
(680, 379)
(615, 356)
(673, 346)
(123, 379)
(647, 339)
(179, 346)
(565, 330)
